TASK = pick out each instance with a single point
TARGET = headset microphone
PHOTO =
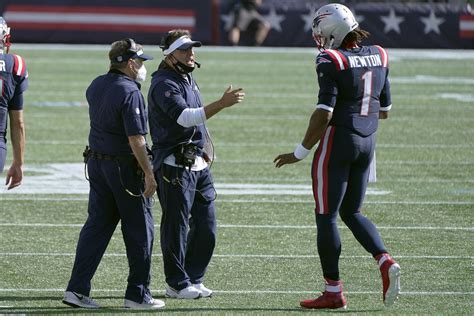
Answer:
(197, 64)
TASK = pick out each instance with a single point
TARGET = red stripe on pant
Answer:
(320, 171)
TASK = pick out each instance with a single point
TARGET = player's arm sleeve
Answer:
(16, 103)
(385, 96)
(20, 75)
(327, 86)
(134, 114)
(169, 98)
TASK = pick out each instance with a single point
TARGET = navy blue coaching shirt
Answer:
(354, 83)
(117, 110)
(170, 94)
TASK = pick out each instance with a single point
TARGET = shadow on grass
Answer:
(63, 309)
(207, 310)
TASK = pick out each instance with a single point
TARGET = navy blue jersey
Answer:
(116, 110)
(13, 82)
(354, 85)
(170, 94)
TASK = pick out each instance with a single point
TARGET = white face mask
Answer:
(141, 74)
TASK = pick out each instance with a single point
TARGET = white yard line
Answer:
(250, 201)
(365, 202)
(411, 293)
(437, 228)
(274, 145)
(256, 256)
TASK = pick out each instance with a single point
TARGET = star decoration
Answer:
(308, 19)
(432, 23)
(392, 22)
(275, 19)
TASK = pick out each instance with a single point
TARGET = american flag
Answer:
(98, 18)
(466, 26)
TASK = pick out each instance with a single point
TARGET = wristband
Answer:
(301, 152)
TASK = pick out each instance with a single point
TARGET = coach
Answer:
(121, 179)
(182, 152)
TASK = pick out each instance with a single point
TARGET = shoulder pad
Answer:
(19, 66)
(383, 54)
(338, 58)
(323, 58)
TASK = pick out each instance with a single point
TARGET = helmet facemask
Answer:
(322, 42)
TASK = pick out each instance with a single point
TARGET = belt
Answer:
(100, 156)
(90, 153)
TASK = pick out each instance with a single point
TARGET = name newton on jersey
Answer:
(364, 61)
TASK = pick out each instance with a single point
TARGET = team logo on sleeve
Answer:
(322, 60)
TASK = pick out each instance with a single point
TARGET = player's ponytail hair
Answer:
(356, 36)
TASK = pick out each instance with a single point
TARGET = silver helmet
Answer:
(4, 34)
(331, 24)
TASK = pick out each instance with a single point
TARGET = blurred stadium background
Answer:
(400, 24)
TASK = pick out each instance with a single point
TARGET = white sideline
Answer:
(395, 53)
(413, 293)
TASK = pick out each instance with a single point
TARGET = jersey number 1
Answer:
(367, 78)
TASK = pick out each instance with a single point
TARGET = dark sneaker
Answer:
(78, 300)
(327, 300)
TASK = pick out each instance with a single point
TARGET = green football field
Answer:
(266, 258)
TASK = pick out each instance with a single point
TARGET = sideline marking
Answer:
(68, 178)
(244, 201)
(415, 293)
(395, 53)
(275, 145)
(43, 225)
(46, 254)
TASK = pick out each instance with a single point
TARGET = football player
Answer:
(354, 93)
(13, 83)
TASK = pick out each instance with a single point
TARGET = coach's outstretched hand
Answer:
(232, 96)
(229, 98)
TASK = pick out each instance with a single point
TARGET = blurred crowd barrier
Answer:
(407, 24)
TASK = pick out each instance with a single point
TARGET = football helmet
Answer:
(332, 22)
(4, 34)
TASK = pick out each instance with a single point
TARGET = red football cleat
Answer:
(390, 271)
(330, 300)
